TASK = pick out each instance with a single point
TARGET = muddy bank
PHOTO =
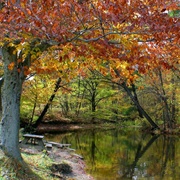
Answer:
(67, 127)
(67, 165)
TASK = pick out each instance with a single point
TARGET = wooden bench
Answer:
(33, 139)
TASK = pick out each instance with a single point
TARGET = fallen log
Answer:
(59, 145)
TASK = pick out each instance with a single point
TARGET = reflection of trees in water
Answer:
(129, 170)
(85, 137)
(139, 155)
(77, 141)
(167, 155)
(94, 147)
(65, 140)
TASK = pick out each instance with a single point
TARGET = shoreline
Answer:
(68, 164)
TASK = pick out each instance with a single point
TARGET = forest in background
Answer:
(95, 98)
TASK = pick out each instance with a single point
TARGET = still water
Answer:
(121, 154)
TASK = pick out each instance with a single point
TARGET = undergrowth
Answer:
(34, 167)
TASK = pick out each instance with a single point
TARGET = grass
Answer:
(34, 167)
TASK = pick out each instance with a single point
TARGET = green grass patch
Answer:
(34, 167)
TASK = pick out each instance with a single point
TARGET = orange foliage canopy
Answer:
(129, 35)
(118, 36)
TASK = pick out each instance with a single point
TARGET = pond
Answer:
(125, 153)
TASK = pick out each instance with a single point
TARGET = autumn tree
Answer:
(110, 31)
(28, 29)
(159, 95)
(143, 48)
(95, 90)
(37, 94)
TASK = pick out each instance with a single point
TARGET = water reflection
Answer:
(125, 153)
(130, 169)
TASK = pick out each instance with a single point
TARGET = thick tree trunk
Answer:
(11, 94)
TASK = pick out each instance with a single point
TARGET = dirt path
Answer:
(67, 165)
(73, 160)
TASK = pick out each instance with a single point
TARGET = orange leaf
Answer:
(11, 66)
(28, 11)
(19, 60)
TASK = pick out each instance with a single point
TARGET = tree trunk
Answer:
(93, 106)
(143, 112)
(140, 109)
(1, 83)
(33, 111)
(137, 100)
(39, 120)
(167, 119)
(80, 97)
(173, 102)
(11, 94)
